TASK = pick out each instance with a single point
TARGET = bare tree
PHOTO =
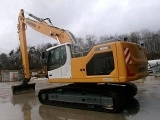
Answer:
(135, 37)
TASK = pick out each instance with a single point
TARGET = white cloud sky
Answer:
(81, 17)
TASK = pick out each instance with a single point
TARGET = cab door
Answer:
(54, 63)
(59, 62)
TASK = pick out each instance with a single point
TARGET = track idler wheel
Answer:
(117, 103)
(130, 90)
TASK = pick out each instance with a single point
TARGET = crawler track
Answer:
(102, 97)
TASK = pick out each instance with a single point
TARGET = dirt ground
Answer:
(145, 106)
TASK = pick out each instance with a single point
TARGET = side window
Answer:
(57, 57)
(101, 64)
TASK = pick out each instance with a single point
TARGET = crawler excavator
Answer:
(99, 79)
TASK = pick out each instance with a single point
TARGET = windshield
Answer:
(57, 57)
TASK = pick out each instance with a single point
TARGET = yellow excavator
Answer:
(100, 78)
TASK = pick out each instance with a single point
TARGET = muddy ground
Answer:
(145, 106)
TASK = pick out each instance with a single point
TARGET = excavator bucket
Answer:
(23, 88)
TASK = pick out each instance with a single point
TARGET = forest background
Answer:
(150, 39)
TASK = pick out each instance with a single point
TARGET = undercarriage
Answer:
(90, 96)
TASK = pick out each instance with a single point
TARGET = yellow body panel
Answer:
(76, 64)
(137, 68)
(123, 72)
